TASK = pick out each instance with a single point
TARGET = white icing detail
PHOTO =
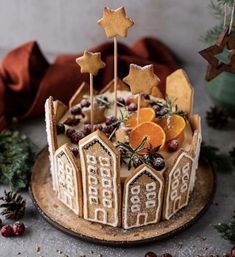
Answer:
(93, 190)
(135, 208)
(114, 184)
(175, 184)
(107, 194)
(105, 172)
(151, 186)
(184, 188)
(135, 199)
(177, 173)
(92, 169)
(93, 199)
(104, 215)
(150, 204)
(104, 161)
(151, 196)
(106, 183)
(172, 185)
(107, 203)
(92, 180)
(91, 159)
(135, 190)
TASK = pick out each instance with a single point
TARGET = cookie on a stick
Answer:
(141, 80)
(115, 23)
(90, 63)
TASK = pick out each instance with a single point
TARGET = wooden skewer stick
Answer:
(91, 100)
(115, 76)
(138, 109)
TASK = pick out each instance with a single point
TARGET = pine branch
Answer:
(16, 159)
(212, 155)
(227, 230)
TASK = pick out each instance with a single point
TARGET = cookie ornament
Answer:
(141, 80)
(115, 23)
(90, 63)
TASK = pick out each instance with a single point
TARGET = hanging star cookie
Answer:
(214, 55)
(115, 22)
(90, 62)
(141, 79)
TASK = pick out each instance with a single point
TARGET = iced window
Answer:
(92, 169)
(93, 190)
(93, 199)
(107, 203)
(91, 159)
(105, 172)
(104, 161)
(106, 182)
(107, 194)
(150, 204)
(92, 180)
(135, 199)
(151, 196)
(151, 186)
(135, 190)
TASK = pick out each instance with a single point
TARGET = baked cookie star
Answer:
(115, 22)
(141, 79)
(90, 62)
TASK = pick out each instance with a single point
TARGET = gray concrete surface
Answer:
(59, 26)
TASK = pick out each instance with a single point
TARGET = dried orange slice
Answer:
(146, 114)
(173, 126)
(153, 132)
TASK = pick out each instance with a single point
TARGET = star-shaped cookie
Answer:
(141, 79)
(115, 22)
(90, 62)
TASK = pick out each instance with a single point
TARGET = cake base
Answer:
(64, 219)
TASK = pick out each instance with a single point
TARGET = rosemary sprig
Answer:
(129, 153)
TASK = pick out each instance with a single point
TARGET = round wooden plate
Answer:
(62, 218)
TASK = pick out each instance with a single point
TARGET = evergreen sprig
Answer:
(16, 159)
(212, 155)
(227, 230)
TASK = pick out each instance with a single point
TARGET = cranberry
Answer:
(121, 101)
(132, 107)
(146, 96)
(87, 129)
(76, 110)
(158, 163)
(77, 136)
(233, 252)
(60, 128)
(172, 145)
(18, 228)
(69, 132)
(108, 130)
(166, 255)
(85, 103)
(74, 151)
(7, 231)
(150, 254)
(72, 121)
(129, 100)
(98, 127)
(110, 120)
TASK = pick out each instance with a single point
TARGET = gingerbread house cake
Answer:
(126, 156)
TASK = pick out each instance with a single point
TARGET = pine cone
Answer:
(13, 205)
(232, 155)
(216, 117)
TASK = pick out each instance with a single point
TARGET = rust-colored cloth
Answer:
(27, 79)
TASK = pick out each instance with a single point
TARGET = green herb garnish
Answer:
(227, 230)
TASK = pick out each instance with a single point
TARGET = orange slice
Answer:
(153, 132)
(146, 114)
(173, 126)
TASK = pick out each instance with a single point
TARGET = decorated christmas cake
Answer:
(126, 156)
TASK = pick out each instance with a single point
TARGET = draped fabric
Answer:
(27, 78)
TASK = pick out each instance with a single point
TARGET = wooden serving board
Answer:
(62, 218)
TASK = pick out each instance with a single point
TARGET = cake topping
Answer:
(115, 22)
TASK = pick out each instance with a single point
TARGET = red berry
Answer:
(98, 127)
(172, 145)
(74, 151)
(18, 228)
(150, 254)
(121, 101)
(129, 100)
(110, 120)
(77, 136)
(85, 103)
(72, 121)
(233, 252)
(69, 132)
(7, 231)
(87, 129)
(60, 128)
(132, 107)
(166, 255)
(76, 110)
(146, 96)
